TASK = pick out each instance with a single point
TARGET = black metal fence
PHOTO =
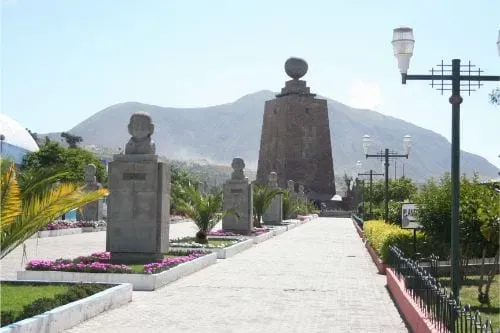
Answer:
(446, 314)
(358, 220)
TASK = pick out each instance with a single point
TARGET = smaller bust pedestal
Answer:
(274, 214)
(92, 211)
(138, 209)
(239, 197)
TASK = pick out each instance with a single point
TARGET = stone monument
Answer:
(239, 197)
(139, 205)
(93, 210)
(295, 140)
(274, 214)
(301, 194)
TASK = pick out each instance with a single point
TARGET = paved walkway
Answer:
(317, 277)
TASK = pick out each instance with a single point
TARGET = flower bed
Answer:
(60, 224)
(99, 263)
(255, 232)
(224, 247)
(96, 268)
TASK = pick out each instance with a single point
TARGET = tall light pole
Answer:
(371, 174)
(403, 43)
(385, 155)
(358, 169)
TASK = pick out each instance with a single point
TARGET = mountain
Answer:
(219, 133)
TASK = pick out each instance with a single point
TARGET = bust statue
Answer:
(90, 171)
(91, 183)
(141, 128)
(301, 190)
(238, 165)
(291, 186)
(273, 179)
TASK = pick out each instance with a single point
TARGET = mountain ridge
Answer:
(219, 133)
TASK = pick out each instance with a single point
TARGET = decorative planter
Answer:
(58, 232)
(140, 282)
(263, 237)
(381, 265)
(221, 253)
(71, 314)
(278, 230)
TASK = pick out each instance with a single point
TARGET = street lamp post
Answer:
(385, 155)
(403, 43)
(371, 174)
(358, 169)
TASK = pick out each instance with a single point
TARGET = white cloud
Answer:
(364, 94)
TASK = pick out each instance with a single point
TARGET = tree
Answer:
(29, 206)
(477, 215)
(402, 189)
(495, 96)
(262, 199)
(204, 209)
(180, 180)
(53, 156)
(71, 140)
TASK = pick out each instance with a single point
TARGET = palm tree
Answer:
(34, 202)
(204, 209)
(262, 198)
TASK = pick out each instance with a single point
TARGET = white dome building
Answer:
(16, 141)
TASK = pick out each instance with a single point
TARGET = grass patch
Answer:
(469, 294)
(15, 296)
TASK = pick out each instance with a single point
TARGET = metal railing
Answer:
(436, 303)
(358, 220)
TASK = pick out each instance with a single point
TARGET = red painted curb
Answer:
(381, 266)
(417, 320)
(359, 230)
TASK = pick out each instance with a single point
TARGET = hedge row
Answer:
(381, 235)
(44, 304)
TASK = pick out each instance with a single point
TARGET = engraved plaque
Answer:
(134, 176)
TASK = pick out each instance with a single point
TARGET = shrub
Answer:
(381, 235)
(7, 317)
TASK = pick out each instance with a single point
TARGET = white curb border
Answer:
(71, 314)
(140, 282)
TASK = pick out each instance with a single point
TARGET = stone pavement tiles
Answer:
(315, 278)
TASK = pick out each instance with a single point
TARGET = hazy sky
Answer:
(63, 61)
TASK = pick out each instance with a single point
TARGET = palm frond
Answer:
(38, 211)
(263, 197)
(203, 209)
(10, 206)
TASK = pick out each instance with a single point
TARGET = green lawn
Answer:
(15, 296)
(468, 295)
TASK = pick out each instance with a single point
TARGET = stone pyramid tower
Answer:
(295, 141)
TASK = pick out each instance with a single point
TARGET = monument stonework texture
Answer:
(274, 213)
(238, 196)
(138, 203)
(295, 141)
(93, 210)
